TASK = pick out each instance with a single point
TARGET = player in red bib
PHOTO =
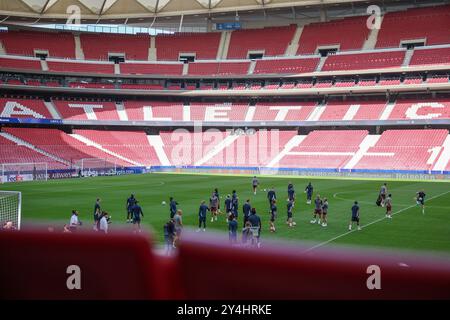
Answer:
(388, 204)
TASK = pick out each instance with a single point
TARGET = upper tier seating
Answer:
(421, 109)
(362, 61)
(203, 45)
(28, 64)
(154, 110)
(272, 41)
(286, 66)
(218, 68)
(60, 66)
(347, 34)
(283, 111)
(430, 23)
(430, 56)
(83, 110)
(58, 44)
(23, 108)
(151, 68)
(353, 110)
(98, 47)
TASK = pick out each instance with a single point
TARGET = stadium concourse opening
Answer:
(188, 139)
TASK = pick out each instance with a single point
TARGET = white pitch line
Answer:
(373, 222)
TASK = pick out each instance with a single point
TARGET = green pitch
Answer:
(51, 202)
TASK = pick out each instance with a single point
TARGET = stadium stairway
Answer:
(372, 39)
(158, 145)
(21, 142)
(120, 107)
(444, 158)
(79, 54)
(52, 109)
(408, 55)
(292, 48)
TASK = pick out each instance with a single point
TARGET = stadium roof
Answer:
(110, 9)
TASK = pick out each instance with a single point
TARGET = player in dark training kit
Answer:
(131, 201)
(271, 195)
(309, 192)
(228, 206)
(290, 219)
(255, 184)
(273, 215)
(202, 210)
(137, 213)
(216, 193)
(291, 192)
(97, 211)
(355, 216)
(420, 200)
(246, 209)
(173, 207)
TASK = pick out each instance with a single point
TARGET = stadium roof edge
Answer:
(146, 8)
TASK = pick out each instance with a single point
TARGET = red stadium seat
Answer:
(121, 266)
(272, 41)
(213, 270)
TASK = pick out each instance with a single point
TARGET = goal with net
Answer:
(10, 209)
(15, 172)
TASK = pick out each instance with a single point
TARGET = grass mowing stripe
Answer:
(370, 223)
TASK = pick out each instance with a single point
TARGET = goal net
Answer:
(96, 167)
(16, 172)
(10, 208)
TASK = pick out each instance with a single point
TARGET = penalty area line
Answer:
(370, 223)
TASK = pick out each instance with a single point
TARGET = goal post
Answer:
(10, 208)
(96, 166)
(16, 172)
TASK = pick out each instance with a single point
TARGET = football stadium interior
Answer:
(174, 98)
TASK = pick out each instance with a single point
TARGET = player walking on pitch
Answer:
(213, 206)
(355, 216)
(202, 216)
(131, 201)
(324, 212)
(290, 219)
(255, 184)
(291, 192)
(273, 215)
(137, 213)
(383, 193)
(420, 200)
(388, 204)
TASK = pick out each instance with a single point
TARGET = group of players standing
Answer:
(251, 220)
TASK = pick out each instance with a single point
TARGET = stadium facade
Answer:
(276, 87)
